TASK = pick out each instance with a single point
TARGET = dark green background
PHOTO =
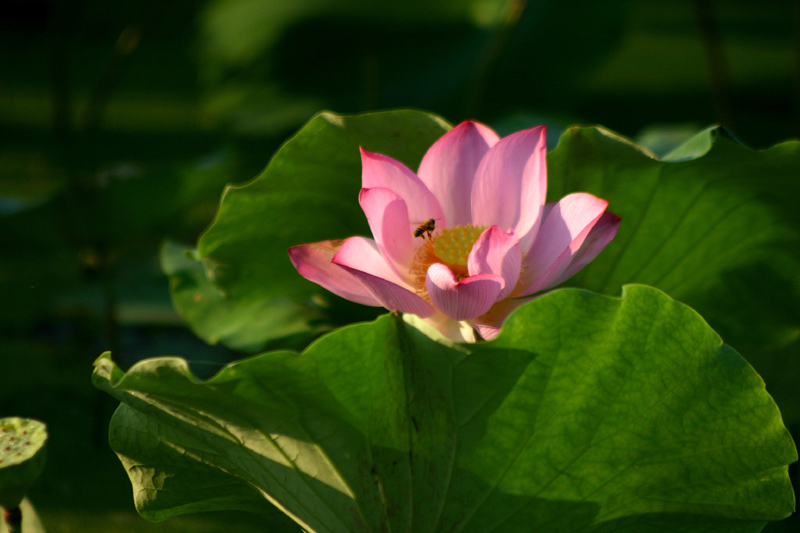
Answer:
(120, 122)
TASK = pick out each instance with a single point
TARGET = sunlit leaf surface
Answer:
(588, 413)
(307, 193)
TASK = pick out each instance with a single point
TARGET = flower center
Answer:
(450, 247)
(454, 245)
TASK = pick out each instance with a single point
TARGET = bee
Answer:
(426, 228)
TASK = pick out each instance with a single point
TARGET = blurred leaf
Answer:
(588, 413)
(137, 203)
(236, 32)
(67, 250)
(38, 263)
(543, 60)
(259, 109)
(662, 139)
(720, 231)
(423, 64)
(28, 178)
(663, 52)
(247, 327)
(463, 58)
(307, 193)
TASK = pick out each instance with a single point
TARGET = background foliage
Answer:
(121, 122)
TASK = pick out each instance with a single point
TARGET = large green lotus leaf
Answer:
(245, 327)
(587, 414)
(715, 224)
(307, 193)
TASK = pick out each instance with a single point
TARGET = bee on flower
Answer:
(425, 229)
(496, 244)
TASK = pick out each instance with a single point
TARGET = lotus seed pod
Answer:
(22, 456)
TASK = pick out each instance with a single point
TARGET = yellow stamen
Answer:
(450, 247)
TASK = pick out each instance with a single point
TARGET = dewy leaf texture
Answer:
(588, 413)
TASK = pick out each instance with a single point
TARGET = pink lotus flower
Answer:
(465, 240)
